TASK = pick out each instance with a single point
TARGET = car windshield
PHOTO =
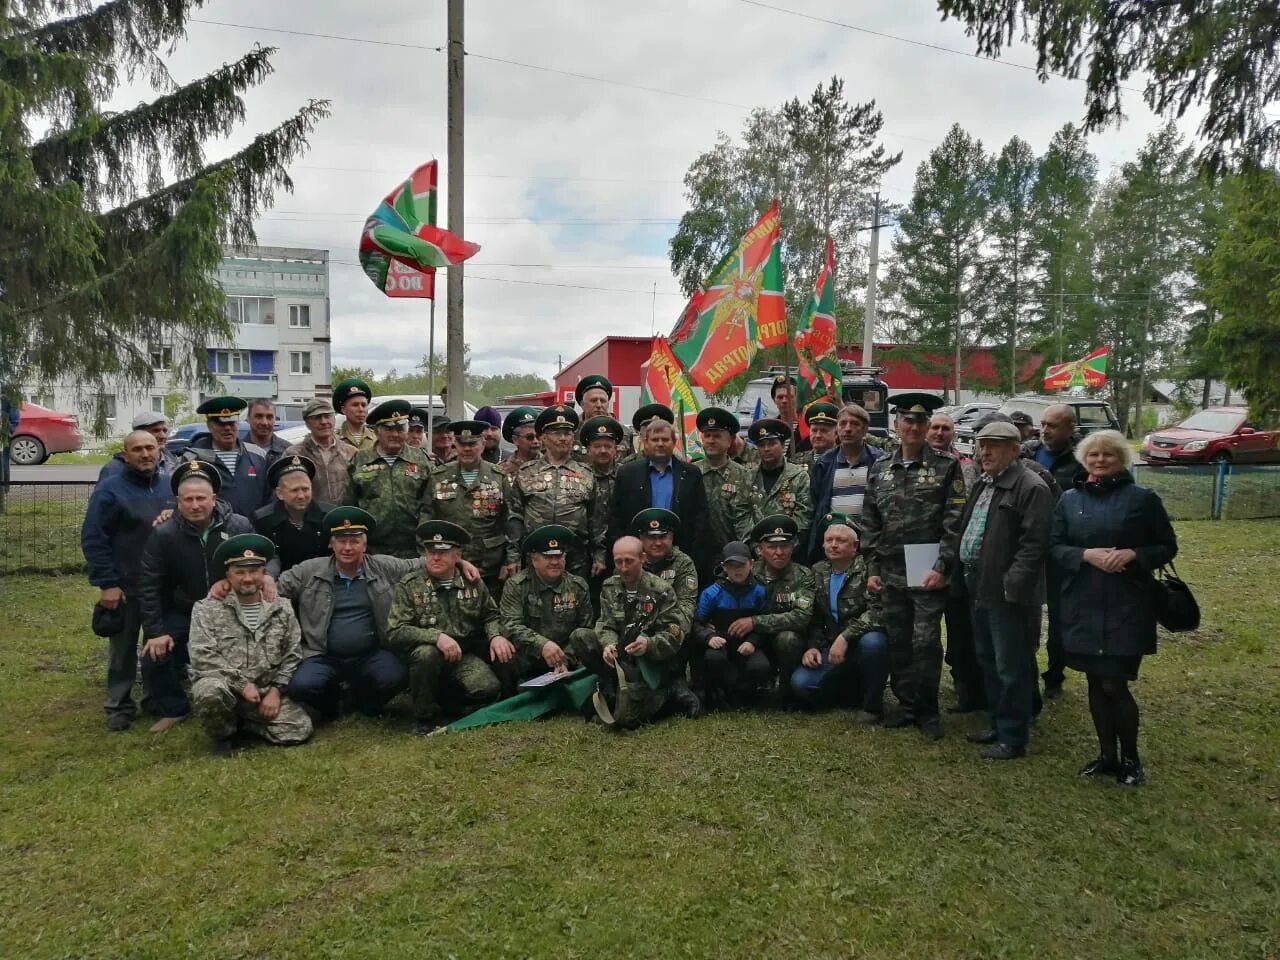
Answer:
(1213, 421)
(756, 392)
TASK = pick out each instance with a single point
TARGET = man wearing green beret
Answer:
(731, 500)
(470, 492)
(519, 430)
(449, 633)
(244, 650)
(781, 487)
(392, 481)
(546, 612)
(557, 489)
(243, 472)
(789, 591)
(351, 399)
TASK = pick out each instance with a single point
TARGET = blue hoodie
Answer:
(118, 522)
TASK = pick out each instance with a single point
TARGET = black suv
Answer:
(1091, 415)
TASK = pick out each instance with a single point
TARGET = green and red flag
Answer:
(1088, 371)
(819, 363)
(663, 381)
(740, 308)
(402, 231)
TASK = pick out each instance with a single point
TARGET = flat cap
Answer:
(998, 430)
(148, 418)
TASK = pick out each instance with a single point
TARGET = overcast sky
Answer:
(543, 147)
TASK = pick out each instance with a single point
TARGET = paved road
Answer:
(67, 473)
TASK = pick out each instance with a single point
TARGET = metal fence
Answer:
(1216, 491)
(40, 526)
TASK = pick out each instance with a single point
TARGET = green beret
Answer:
(821, 412)
(390, 413)
(195, 470)
(287, 465)
(653, 521)
(550, 539)
(222, 409)
(717, 418)
(649, 411)
(600, 428)
(915, 406)
(556, 416)
(591, 382)
(517, 418)
(468, 431)
(442, 535)
(775, 529)
(769, 429)
(244, 550)
(349, 388)
(349, 522)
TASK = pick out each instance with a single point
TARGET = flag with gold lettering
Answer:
(663, 381)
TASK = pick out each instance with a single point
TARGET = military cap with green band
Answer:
(244, 550)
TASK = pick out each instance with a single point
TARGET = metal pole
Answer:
(431, 365)
(455, 343)
(869, 311)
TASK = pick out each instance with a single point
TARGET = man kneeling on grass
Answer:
(244, 650)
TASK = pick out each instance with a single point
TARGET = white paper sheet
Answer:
(920, 560)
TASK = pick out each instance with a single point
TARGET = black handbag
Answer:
(1176, 607)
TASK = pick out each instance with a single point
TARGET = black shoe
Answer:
(1099, 767)
(982, 736)
(1052, 691)
(931, 727)
(966, 707)
(119, 722)
(685, 701)
(900, 721)
(1002, 751)
(427, 728)
(1130, 774)
(222, 747)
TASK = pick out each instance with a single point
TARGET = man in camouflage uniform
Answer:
(519, 429)
(391, 480)
(601, 439)
(789, 589)
(820, 418)
(447, 629)
(594, 394)
(731, 504)
(656, 529)
(556, 489)
(472, 493)
(545, 611)
(641, 627)
(244, 650)
(780, 487)
(914, 495)
(351, 399)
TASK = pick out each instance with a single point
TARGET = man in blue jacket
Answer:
(121, 514)
(243, 471)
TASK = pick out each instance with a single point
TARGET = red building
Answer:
(619, 359)
(934, 373)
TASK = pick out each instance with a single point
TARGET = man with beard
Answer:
(492, 421)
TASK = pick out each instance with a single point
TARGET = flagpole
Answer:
(431, 361)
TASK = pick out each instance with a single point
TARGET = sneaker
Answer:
(931, 728)
(1099, 767)
(119, 722)
(865, 718)
(1130, 774)
(1003, 751)
(222, 747)
(982, 736)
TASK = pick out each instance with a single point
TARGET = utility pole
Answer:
(455, 342)
(869, 310)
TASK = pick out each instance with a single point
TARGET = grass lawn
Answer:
(80, 457)
(734, 836)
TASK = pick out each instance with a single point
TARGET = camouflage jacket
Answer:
(920, 502)
(680, 571)
(790, 496)
(534, 611)
(654, 610)
(731, 502)
(606, 484)
(511, 466)
(223, 647)
(480, 509)
(790, 599)
(857, 611)
(424, 608)
(395, 494)
(568, 494)
(365, 442)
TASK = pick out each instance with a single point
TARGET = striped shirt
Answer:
(971, 539)
(849, 485)
(228, 458)
(251, 614)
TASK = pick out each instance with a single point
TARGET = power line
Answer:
(492, 176)
(318, 36)
(304, 217)
(547, 283)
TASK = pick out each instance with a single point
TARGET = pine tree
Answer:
(115, 221)
(938, 252)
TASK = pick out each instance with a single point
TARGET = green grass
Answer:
(81, 457)
(734, 836)
(40, 529)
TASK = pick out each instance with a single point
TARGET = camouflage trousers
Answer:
(223, 713)
(785, 651)
(913, 622)
(464, 685)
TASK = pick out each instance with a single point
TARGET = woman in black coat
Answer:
(1108, 536)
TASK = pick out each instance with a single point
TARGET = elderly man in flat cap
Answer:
(323, 448)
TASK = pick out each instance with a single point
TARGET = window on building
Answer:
(157, 404)
(300, 362)
(251, 310)
(230, 361)
(106, 402)
(299, 315)
(161, 357)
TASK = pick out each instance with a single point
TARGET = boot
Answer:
(683, 700)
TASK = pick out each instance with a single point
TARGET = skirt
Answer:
(1105, 665)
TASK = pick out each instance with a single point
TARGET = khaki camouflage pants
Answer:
(785, 650)
(223, 713)
(469, 683)
(913, 622)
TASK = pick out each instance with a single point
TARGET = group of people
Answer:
(801, 567)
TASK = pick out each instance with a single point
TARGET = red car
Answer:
(43, 432)
(1215, 435)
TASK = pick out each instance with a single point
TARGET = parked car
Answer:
(860, 385)
(197, 434)
(1215, 435)
(1091, 415)
(967, 414)
(42, 433)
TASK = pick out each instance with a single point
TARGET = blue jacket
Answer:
(820, 478)
(722, 603)
(246, 490)
(117, 524)
(117, 464)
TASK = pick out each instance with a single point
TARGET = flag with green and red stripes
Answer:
(819, 364)
(1088, 371)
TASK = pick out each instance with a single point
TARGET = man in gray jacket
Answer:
(1003, 547)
